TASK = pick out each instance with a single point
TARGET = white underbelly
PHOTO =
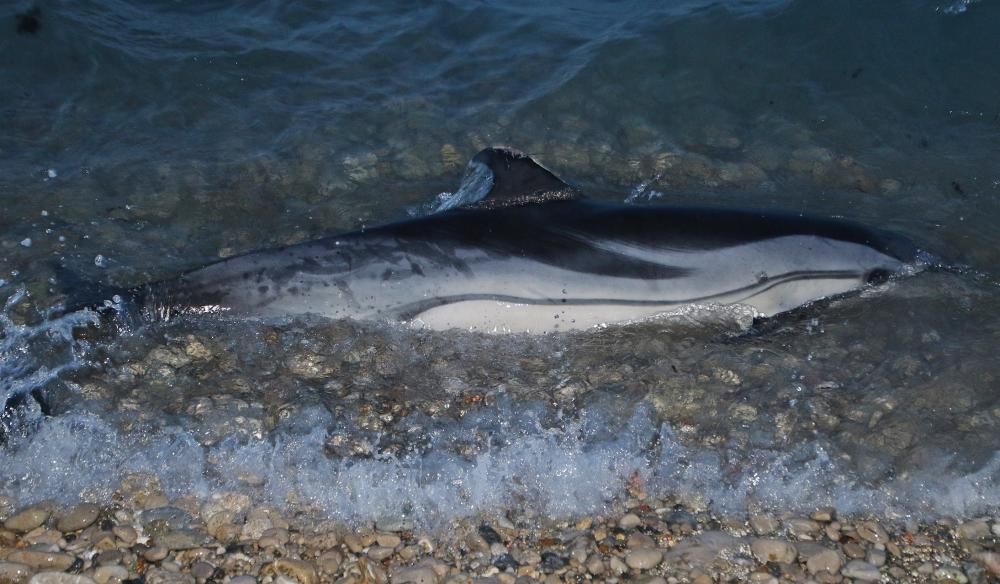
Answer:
(493, 316)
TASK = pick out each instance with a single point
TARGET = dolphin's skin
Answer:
(532, 256)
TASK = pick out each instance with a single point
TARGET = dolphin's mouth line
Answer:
(412, 310)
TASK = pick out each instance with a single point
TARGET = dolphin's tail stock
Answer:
(116, 305)
(16, 418)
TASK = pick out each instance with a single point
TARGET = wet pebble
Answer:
(164, 576)
(773, 550)
(828, 561)
(256, 524)
(42, 560)
(329, 562)
(59, 578)
(353, 543)
(951, 573)
(823, 514)
(617, 566)
(110, 574)
(125, 533)
(299, 570)
(202, 571)
(629, 521)
(80, 517)
(595, 565)
(527, 557)
(644, 558)
(861, 570)
(803, 528)
(272, 538)
(854, 550)
(872, 532)
(639, 540)
(28, 519)
(181, 539)
(155, 554)
(15, 572)
(551, 562)
(160, 519)
(763, 523)
(973, 530)
(389, 540)
(417, 575)
(42, 535)
(505, 562)
(379, 552)
(990, 561)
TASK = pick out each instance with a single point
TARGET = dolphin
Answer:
(519, 250)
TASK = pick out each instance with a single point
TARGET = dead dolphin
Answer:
(519, 250)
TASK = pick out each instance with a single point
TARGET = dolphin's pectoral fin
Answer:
(503, 177)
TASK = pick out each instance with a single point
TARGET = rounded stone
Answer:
(763, 523)
(828, 561)
(181, 539)
(824, 514)
(617, 566)
(202, 571)
(15, 572)
(353, 543)
(79, 517)
(389, 540)
(860, 570)
(155, 554)
(643, 558)
(990, 561)
(872, 532)
(299, 570)
(59, 578)
(417, 575)
(951, 573)
(629, 521)
(803, 528)
(594, 565)
(973, 530)
(379, 552)
(161, 576)
(28, 519)
(110, 574)
(329, 562)
(42, 560)
(126, 533)
(773, 550)
(244, 579)
(639, 540)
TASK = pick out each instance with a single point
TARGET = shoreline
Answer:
(141, 537)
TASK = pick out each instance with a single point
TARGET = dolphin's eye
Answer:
(878, 276)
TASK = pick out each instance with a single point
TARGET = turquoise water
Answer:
(142, 139)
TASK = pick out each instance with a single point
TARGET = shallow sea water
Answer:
(143, 139)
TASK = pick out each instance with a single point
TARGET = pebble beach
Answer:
(143, 537)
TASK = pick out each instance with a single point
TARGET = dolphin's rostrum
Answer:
(519, 250)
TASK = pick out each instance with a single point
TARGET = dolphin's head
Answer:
(897, 246)
(901, 249)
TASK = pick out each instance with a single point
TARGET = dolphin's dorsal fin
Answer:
(519, 180)
(503, 177)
